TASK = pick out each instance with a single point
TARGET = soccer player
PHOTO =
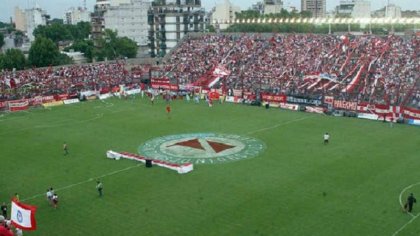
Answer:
(326, 138)
(49, 195)
(55, 200)
(65, 149)
(168, 110)
(99, 187)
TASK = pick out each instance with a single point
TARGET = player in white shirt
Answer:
(326, 138)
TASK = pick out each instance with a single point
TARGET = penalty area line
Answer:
(85, 181)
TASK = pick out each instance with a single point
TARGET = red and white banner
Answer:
(165, 86)
(319, 110)
(411, 113)
(274, 98)
(329, 100)
(3, 105)
(220, 71)
(61, 97)
(382, 109)
(18, 105)
(23, 216)
(38, 100)
(355, 81)
(289, 106)
(163, 83)
(339, 104)
(365, 107)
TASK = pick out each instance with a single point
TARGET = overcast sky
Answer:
(56, 8)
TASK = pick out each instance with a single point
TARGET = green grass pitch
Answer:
(297, 186)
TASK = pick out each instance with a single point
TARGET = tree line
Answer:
(44, 51)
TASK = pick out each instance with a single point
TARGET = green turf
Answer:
(297, 186)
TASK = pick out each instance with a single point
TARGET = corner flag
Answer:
(23, 216)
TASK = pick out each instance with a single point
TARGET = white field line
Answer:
(131, 167)
(413, 217)
(85, 181)
(403, 191)
(278, 125)
(405, 225)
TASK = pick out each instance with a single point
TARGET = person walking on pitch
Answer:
(99, 187)
(326, 138)
(409, 204)
(65, 149)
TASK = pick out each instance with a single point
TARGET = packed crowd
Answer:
(363, 68)
(50, 81)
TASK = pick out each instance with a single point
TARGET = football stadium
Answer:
(227, 134)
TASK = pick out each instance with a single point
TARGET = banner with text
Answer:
(18, 105)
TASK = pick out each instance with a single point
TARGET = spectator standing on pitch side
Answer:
(4, 210)
(4, 229)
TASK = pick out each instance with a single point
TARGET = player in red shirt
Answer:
(168, 110)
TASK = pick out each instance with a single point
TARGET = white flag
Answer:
(23, 216)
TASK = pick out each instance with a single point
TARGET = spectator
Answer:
(4, 229)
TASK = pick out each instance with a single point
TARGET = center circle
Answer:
(202, 148)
